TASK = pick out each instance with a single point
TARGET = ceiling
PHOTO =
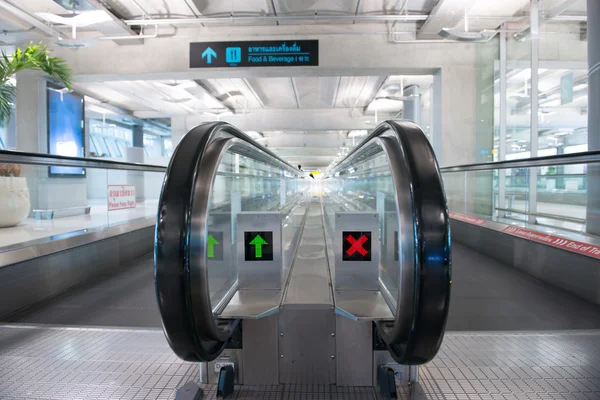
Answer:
(373, 97)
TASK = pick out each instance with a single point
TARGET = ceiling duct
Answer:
(466, 36)
(453, 34)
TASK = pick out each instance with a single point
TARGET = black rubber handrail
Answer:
(181, 270)
(587, 157)
(19, 157)
(423, 299)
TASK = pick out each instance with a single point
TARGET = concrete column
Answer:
(593, 175)
(178, 129)
(138, 136)
(412, 107)
(31, 114)
(31, 127)
(10, 132)
(32, 136)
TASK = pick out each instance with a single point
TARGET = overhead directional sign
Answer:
(258, 246)
(208, 55)
(356, 246)
(256, 53)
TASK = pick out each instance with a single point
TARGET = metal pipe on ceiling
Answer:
(203, 20)
(133, 37)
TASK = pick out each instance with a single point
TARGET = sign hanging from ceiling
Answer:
(257, 53)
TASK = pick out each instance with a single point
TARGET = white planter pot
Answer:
(14, 201)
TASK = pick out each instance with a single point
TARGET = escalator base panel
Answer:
(50, 362)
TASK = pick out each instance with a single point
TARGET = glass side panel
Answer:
(368, 186)
(242, 184)
(38, 207)
(560, 202)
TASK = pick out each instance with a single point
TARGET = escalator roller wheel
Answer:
(225, 385)
(387, 383)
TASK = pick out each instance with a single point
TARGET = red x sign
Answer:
(357, 245)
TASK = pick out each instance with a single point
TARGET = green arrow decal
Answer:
(258, 243)
(211, 246)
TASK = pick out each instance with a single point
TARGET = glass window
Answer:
(153, 145)
(168, 147)
(122, 144)
(113, 148)
(100, 145)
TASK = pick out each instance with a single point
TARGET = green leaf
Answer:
(35, 57)
(7, 95)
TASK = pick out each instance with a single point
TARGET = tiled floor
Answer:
(45, 362)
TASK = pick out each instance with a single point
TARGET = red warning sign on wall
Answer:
(555, 241)
(121, 197)
(467, 218)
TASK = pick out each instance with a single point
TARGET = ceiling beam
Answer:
(19, 13)
(115, 27)
(446, 14)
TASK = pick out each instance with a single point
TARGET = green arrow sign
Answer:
(258, 243)
(211, 246)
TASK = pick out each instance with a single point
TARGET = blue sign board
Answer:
(260, 53)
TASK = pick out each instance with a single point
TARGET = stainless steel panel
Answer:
(309, 282)
(362, 305)
(27, 283)
(259, 275)
(234, 356)
(307, 346)
(252, 304)
(356, 275)
(260, 351)
(353, 352)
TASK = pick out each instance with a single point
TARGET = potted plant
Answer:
(14, 194)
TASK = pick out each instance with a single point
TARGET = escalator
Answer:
(225, 196)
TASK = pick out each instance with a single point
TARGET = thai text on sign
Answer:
(555, 241)
(121, 197)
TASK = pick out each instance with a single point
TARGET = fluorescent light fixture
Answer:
(98, 109)
(82, 19)
(254, 134)
(358, 133)
(461, 36)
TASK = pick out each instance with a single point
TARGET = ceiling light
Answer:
(176, 100)
(80, 20)
(453, 34)
(358, 133)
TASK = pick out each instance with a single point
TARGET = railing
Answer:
(216, 174)
(50, 203)
(393, 172)
(549, 192)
